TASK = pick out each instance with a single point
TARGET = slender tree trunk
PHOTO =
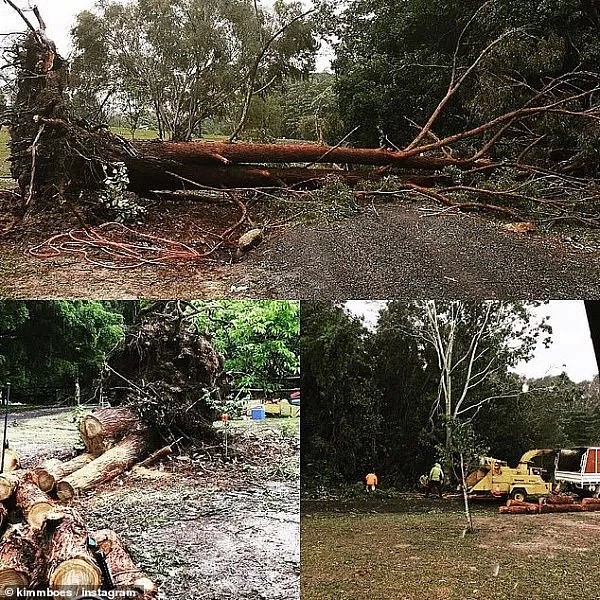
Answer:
(470, 527)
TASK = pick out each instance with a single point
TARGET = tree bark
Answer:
(109, 465)
(34, 503)
(125, 573)
(70, 563)
(50, 471)
(3, 517)
(105, 427)
(18, 551)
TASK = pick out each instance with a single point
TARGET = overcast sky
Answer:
(571, 350)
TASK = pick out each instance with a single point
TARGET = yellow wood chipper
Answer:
(496, 479)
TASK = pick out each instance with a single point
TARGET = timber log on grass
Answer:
(109, 465)
(50, 471)
(105, 427)
(68, 558)
(9, 483)
(12, 462)
(18, 551)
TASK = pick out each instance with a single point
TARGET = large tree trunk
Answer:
(105, 427)
(34, 503)
(109, 465)
(50, 471)
(69, 560)
(18, 551)
(125, 573)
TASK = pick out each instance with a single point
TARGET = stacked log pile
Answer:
(552, 504)
(46, 543)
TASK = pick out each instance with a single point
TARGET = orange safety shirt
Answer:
(371, 479)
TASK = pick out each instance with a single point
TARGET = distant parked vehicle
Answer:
(579, 468)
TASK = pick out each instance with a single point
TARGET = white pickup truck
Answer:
(579, 467)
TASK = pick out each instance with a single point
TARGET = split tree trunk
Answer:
(125, 572)
(109, 465)
(18, 551)
(69, 561)
(50, 471)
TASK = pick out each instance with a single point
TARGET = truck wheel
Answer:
(519, 495)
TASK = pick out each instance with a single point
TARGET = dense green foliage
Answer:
(260, 340)
(394, 61)
(48, 345)
(371, 397)
(45, 346)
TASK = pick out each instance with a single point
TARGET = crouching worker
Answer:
(436, 480)
(371, 481)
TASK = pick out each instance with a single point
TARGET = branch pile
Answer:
(46, 544)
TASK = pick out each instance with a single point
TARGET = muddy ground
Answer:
(410, 548)
(200, 527)
(396, 250)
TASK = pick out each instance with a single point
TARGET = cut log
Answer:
(558, 500)
(50, 471)
(125, 573)
(105, 427)
(109, 465)
(9, 482)
(70, 562)
(34, 503)
(591, 504)
(560, 508)
(513, 510)
(18, 551)
(12, 461)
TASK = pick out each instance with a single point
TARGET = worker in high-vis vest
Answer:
(436, 479)
(371, 481)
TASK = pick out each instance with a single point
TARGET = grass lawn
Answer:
(416, 551)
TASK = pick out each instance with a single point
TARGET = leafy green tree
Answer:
(394, 61)
(260, 339)
(340, 418)
(185, 60)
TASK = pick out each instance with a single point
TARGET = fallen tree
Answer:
(56, 158)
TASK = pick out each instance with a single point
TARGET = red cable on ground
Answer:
(111, 240)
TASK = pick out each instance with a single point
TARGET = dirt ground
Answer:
(398, 250)
(201, 527)
(411, 548)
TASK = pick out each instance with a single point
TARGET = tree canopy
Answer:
(184, 61)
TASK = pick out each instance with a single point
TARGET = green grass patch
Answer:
(4, 153)
(423, 554)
